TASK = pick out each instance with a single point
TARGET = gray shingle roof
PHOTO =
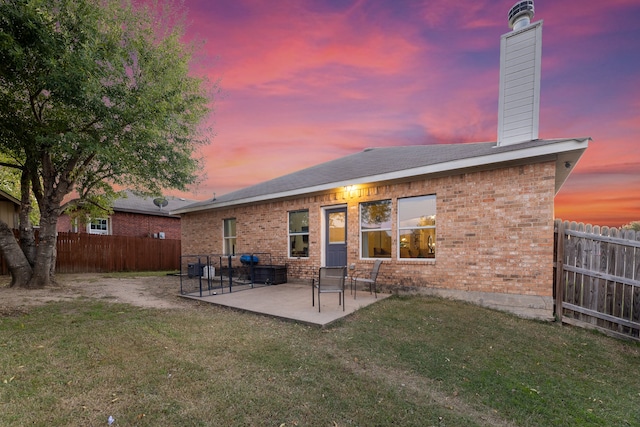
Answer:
(144, 205)
(387, 163)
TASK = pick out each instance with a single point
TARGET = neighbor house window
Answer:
(417, 227)
(299, 233)
(230, 236)
(375, 229)
(98, 226)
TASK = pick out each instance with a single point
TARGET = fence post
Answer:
(559, 270)
(230, 275)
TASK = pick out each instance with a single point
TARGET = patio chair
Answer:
(330, 280)
(371, 280)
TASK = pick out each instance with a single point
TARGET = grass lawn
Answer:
(403, 361)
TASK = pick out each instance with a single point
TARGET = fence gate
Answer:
(597, 278)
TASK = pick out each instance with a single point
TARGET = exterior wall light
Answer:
(348, 191)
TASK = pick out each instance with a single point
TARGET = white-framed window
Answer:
(229, 233)
(375, 229)
(74, 225)
(98, 226)
(417, 227)
(299, 234)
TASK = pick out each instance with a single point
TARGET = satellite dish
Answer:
(160, 202)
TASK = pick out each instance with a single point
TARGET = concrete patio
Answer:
(290, 301)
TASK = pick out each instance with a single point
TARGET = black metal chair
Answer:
(371, 280)
(330, 280)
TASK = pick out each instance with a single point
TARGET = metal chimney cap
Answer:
(520, 14)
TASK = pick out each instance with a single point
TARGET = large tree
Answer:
(94, 95)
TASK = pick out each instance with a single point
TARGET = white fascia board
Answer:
(265, 197)
(186, 210)
(468, 163)
(163, 213)
(475, 162)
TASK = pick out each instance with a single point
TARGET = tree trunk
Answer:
(54, 257)
(41, 274)
(45, 260)
(27, 235)
(19, 266)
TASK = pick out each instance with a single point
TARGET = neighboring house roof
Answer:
(9, 197)
(402, 164)
(144, 205)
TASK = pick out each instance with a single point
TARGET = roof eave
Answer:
(10, 198)
(144, 212)
(564, 150)
(567, 161)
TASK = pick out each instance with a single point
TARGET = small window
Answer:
(417, 227)
(230, 236)
(299, 234)
(375, 229)
(98, 226)
(337, 228)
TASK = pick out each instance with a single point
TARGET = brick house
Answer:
(134, 216)
(467, 221)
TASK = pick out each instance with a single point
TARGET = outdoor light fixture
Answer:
(348, 190)
(567, 165)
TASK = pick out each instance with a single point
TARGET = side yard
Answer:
(131, 349)
(150, 290)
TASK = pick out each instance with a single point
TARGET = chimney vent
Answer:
(520, 66)
(520, 14)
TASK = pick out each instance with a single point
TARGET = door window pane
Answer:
(337, 227)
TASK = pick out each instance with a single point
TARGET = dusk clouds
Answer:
(303, 82)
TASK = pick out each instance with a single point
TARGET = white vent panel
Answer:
(519, 102)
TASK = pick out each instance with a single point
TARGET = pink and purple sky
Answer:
(306, 81)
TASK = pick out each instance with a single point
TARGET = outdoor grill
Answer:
(249, 259)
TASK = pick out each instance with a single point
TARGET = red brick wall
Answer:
(130, 224)
(64, 224)
(494, 231)
(134, 225)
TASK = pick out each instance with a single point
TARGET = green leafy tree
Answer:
(10, 184)
(633, 225)
(94, 95)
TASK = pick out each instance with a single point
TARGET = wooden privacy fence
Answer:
(91, 253)
(597, 280)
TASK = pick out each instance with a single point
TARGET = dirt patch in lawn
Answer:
(148, 291)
